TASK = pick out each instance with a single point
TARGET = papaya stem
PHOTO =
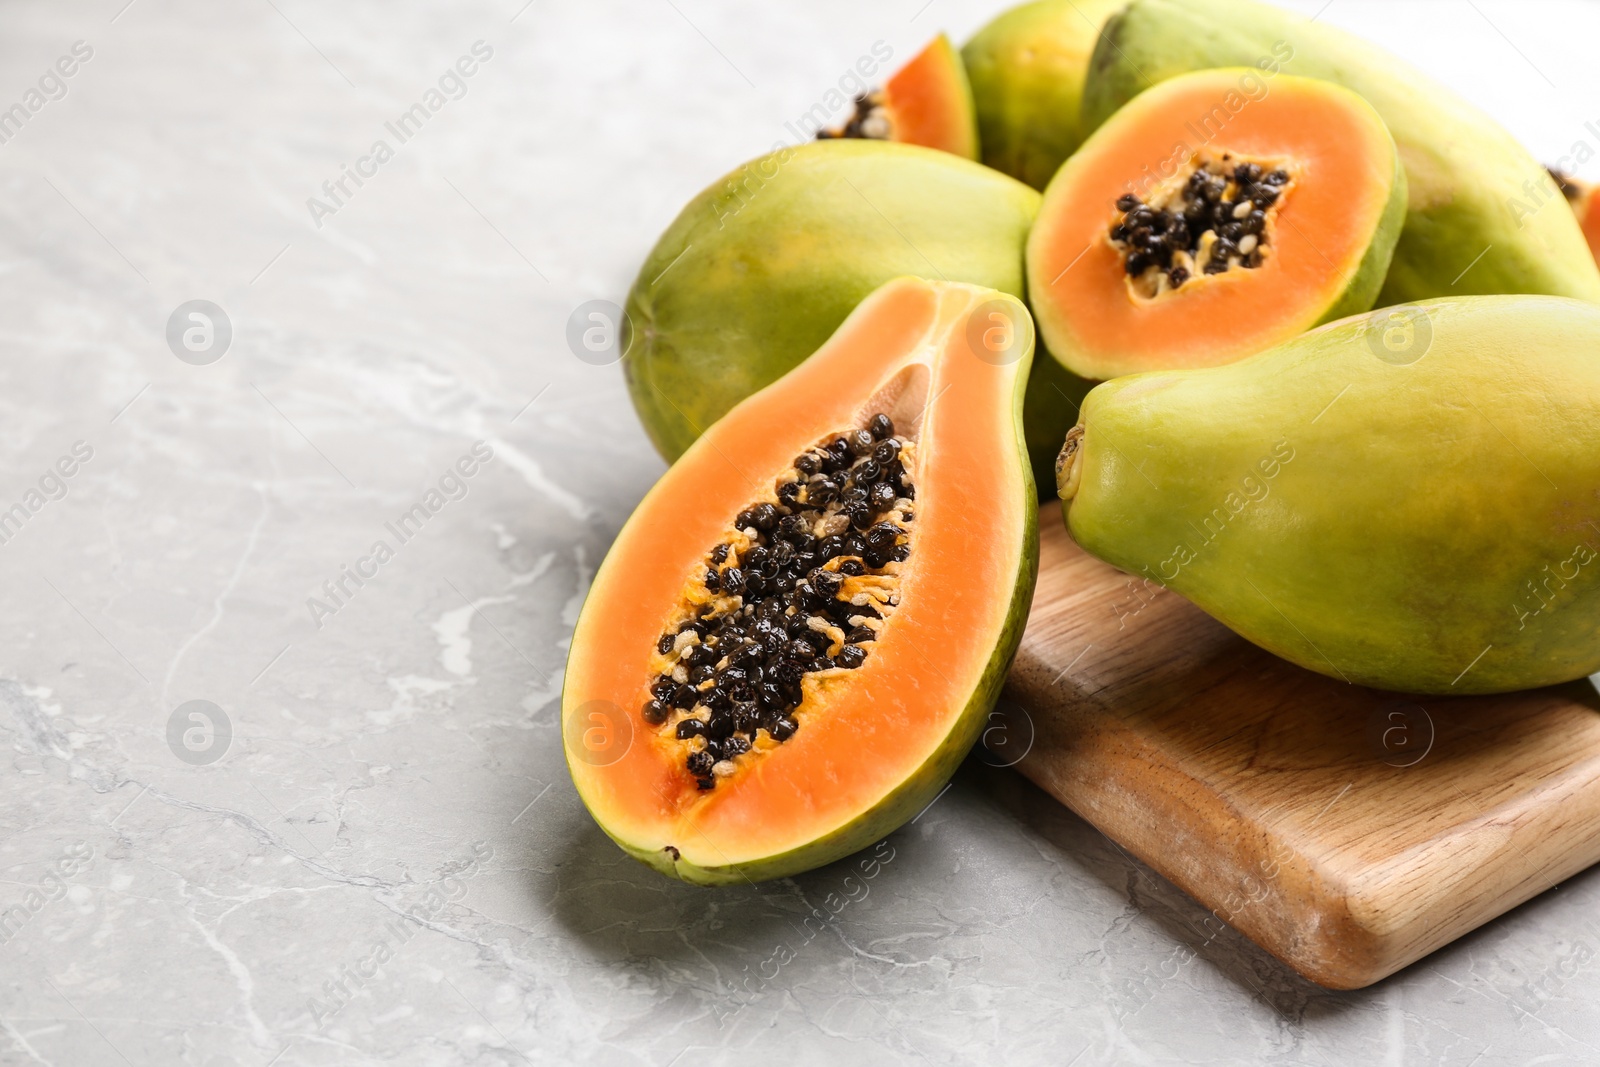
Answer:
(1069, 462)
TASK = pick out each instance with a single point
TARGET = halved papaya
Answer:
(1211, 218)
(801, 630)
(927, 102)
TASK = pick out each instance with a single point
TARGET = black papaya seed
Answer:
(826, 583)
(883, 533)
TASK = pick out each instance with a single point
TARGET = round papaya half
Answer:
(1212, 217)
(927, 102)
(803, 627)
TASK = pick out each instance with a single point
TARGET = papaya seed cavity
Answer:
(800, 586)
(869, 121)
(1215, 219)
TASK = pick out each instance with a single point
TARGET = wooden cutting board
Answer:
(1349, 832)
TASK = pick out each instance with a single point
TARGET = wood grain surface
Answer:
(1347, 831)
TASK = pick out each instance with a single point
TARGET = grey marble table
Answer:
(256, 811)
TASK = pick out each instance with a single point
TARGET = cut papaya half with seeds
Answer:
(1585, 203)
(1212, 217)
(927, 102)
(803, 627)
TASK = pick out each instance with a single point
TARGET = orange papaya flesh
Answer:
(878, 731)
(1199, 226)
(927, 102)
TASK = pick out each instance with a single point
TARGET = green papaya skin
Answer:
(760, 269)
(1050, 408)
(1027, 71)
(1482, 213)
(1408, 500)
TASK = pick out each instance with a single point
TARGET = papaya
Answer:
(1408, 499)
(1210, 219)
(1027, 69)
(1470, 225)
(760, 268)
(803, 627)
(1581, 196)
(927, 102)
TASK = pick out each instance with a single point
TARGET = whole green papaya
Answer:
(1408, 499)
(1483, 215)
(1027, 68)
(760, 269)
